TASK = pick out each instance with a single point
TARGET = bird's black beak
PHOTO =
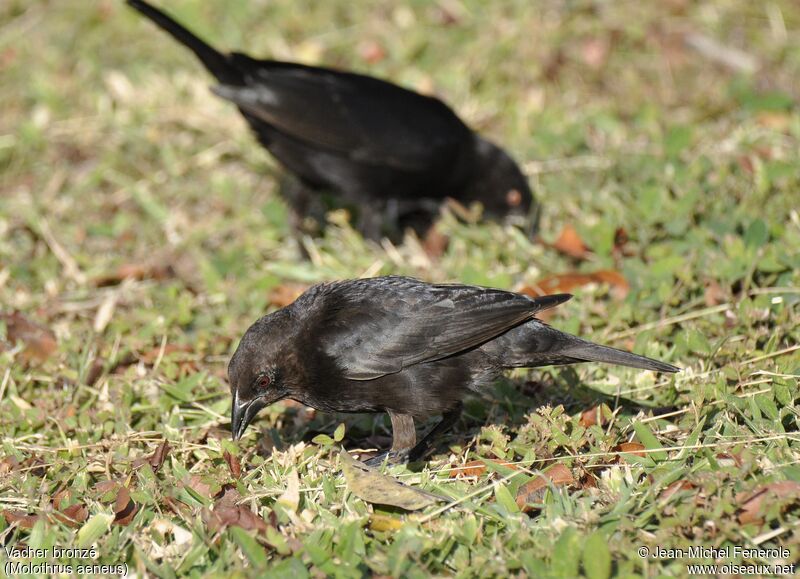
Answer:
(243, 412)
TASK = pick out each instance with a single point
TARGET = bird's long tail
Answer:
(589, 352)
(217, 63)
(536, 344)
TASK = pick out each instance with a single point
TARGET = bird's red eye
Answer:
(263, 381)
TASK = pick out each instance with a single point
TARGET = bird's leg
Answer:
(300, 199)
(404, 435)
(449, 418)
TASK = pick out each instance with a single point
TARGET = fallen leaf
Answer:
(569, 242)
(8, 464)
(176, 506)
(590, 417)
(533, 490)
(674, 487)
(137, 272)
(567, 282)
(477, 467)
(162, 265)
(750, 504)
(34, 465)
(227, 513)
(124, 507)
(72, 515)
(373, 487)
(22, 519)
(285, 294)
(156, 459)
(104, 486)
(200, 485)
(714, 294)
(39, 341)
(234, 466)
(630, 447)
(150, 356)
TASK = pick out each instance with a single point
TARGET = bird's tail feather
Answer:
(589, 352)
(217, 63)
(536, 344)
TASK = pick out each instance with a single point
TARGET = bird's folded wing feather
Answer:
(380, 331)
(353, 115)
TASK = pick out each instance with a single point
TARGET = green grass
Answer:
(113, 152)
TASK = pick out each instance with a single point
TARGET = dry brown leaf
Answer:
(124, 507)
(750, 504)
(156, 459)
(9, 464)
(533, 490)
(22, 519)
(285, 294)
(714, 294)
(72, 515)
(135, 271)
(150, 356)
(373, 487)
(176, 506)
(590, 417)
(674, 487)
(200, 485)
(104, 486)
(631, 447)
(569, 242)
(228, 513)
(567, 282)
(477, 468)
(40, 342)
(234, 466)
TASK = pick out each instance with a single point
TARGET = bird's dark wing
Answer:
(359, 117)
(379, 326)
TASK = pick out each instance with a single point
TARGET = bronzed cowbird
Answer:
(401, 346)
(391, 153)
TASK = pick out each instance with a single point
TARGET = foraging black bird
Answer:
(401, 346)
(384, 149)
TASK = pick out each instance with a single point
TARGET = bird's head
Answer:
(499, 185)
(256, 372)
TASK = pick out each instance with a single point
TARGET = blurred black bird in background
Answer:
(392, 154)
(401, 346)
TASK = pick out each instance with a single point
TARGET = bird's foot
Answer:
(390, 456)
